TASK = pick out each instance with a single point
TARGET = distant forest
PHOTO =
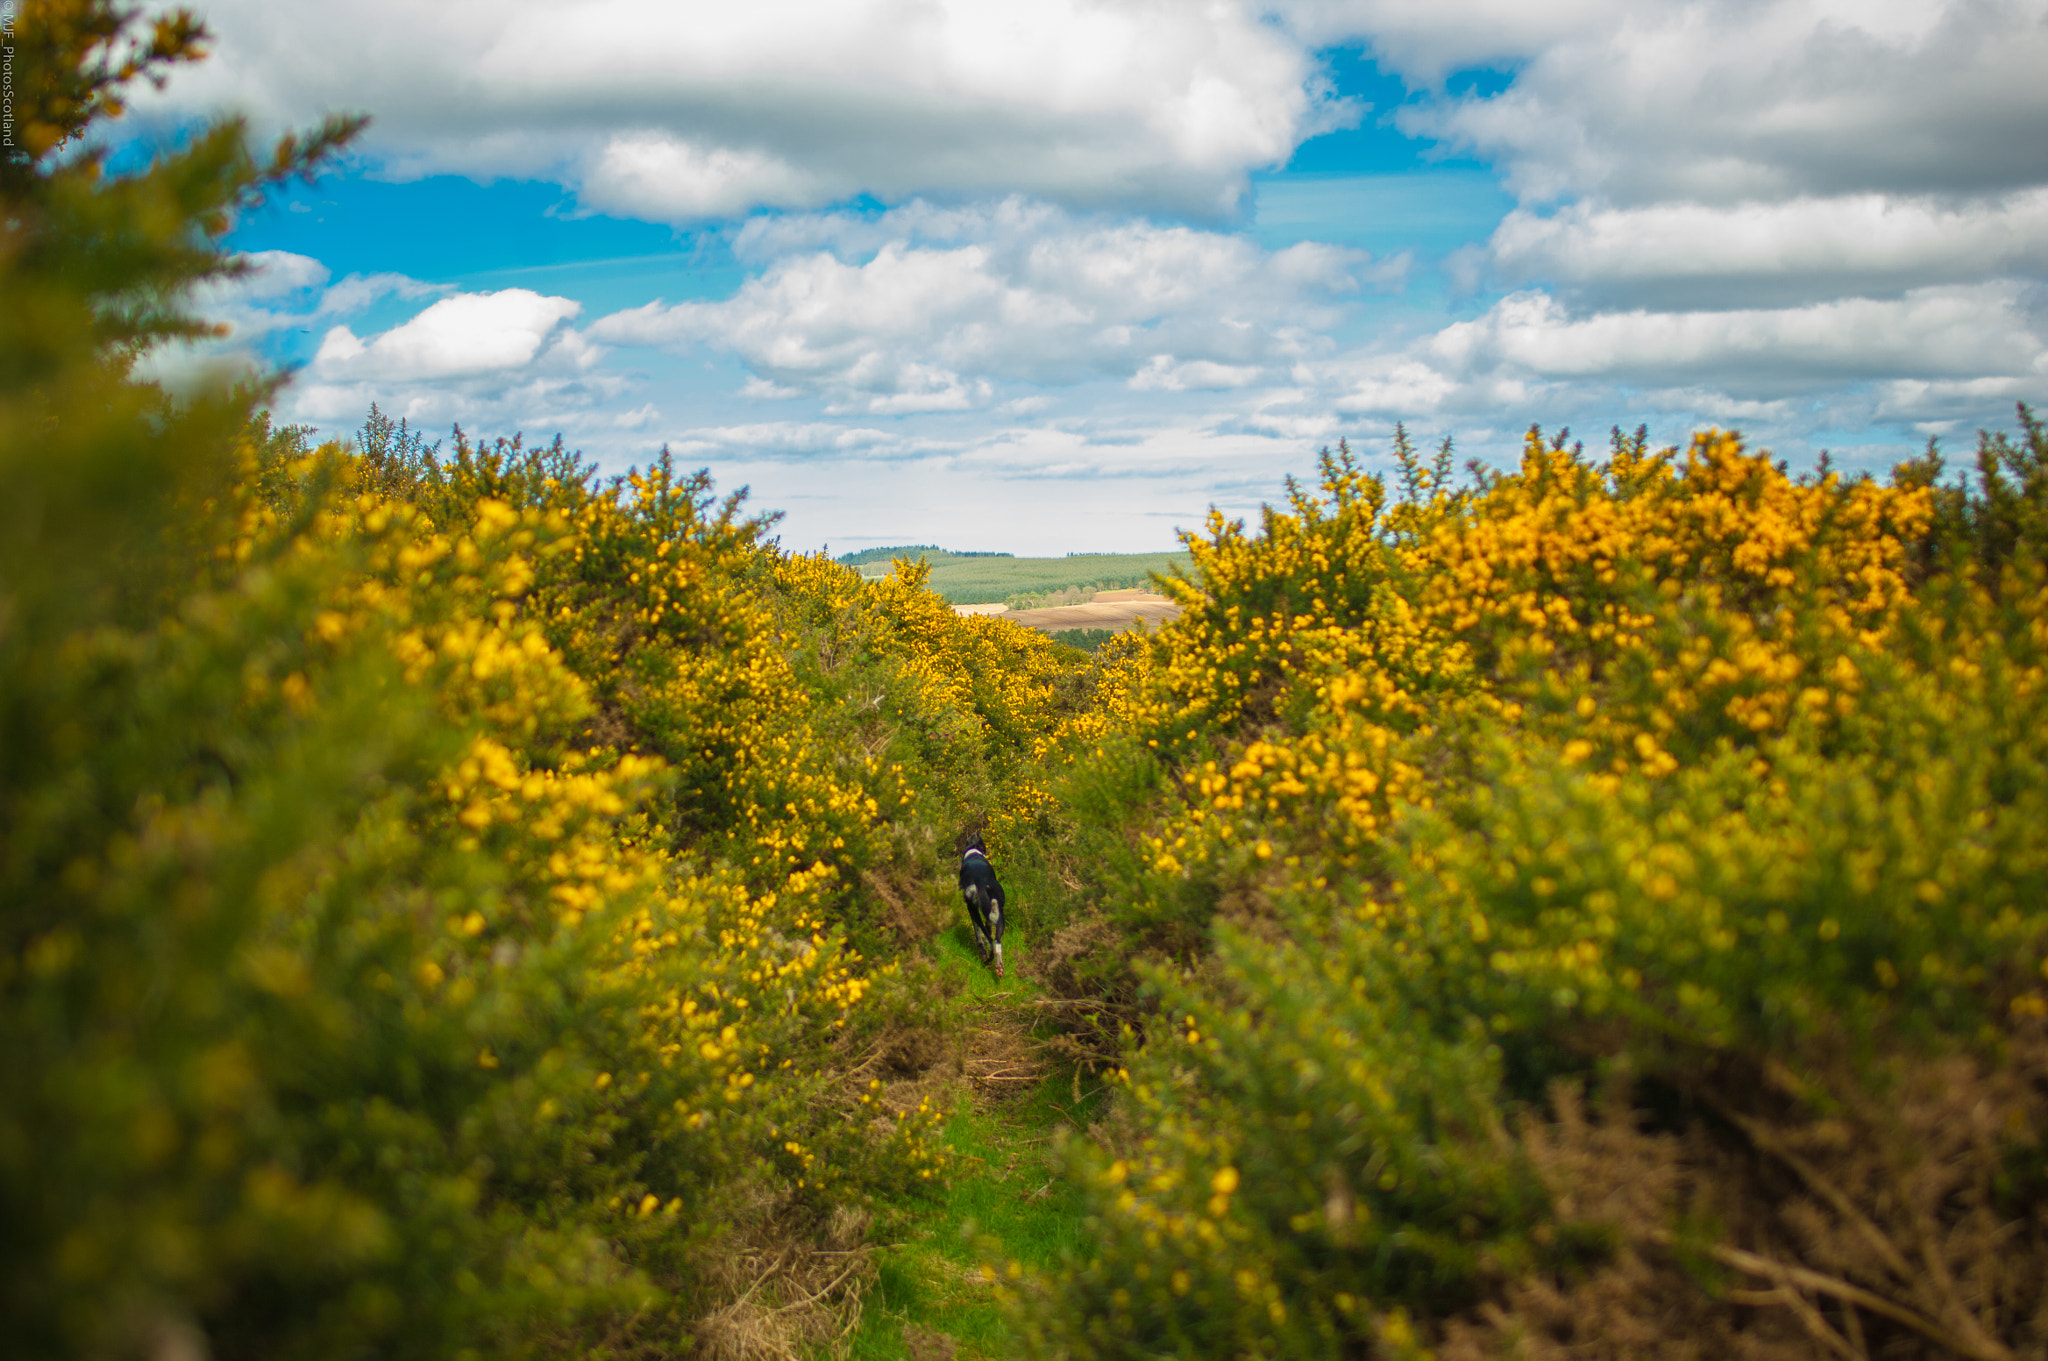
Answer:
(913, 550)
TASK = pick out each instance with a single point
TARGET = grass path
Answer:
(1006, 1196)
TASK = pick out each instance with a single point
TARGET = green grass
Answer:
(975, 580)
(1005, 1197)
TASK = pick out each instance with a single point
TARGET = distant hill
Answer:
(914, 550)
(975, 578)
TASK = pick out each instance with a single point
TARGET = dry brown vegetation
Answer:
(790, 1296)
(1814, 1222)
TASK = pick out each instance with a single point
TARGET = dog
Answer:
(984, 895)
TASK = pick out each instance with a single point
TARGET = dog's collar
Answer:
(975, 850)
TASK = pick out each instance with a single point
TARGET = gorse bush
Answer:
(428, 876)
(452, 902)
(1668, 775)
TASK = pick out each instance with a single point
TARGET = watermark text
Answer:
(7, 74)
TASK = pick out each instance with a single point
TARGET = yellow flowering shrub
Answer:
(977, 706)
(427, 886)
(1671, 766)
(436, 926)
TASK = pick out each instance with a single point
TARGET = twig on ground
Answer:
(823, 1290)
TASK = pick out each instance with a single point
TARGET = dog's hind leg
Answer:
(977, 914)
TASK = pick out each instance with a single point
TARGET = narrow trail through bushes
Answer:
(1006, 1197)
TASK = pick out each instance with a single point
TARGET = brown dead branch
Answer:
(1768, 1142)
(1787, 1276)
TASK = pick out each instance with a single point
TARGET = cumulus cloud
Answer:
(1727, 101)
(654, 175)
(514, 356)
(1689, 254)
(679, 112)
(278, 291)
(468, 335)
(1859, 358)
(934, 318)
(1766, 211)
(1944, 331)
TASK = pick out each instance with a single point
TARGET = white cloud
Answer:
(1789, 213)
(468, 335)
(1725, 101)
(279, 291)
(1802, 249)
(1162, 373)
(1930, 349)
(1944, 331)
(654, 175)
(962, 300)
(681, 111)
(273, 274)
(359, 291)
(511, 359)
(803, 440)
(1931, 404)
(761, 390)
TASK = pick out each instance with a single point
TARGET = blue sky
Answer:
(1058, 275)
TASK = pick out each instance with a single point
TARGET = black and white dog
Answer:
(984, 895)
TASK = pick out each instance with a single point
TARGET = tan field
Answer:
(1107, 610)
